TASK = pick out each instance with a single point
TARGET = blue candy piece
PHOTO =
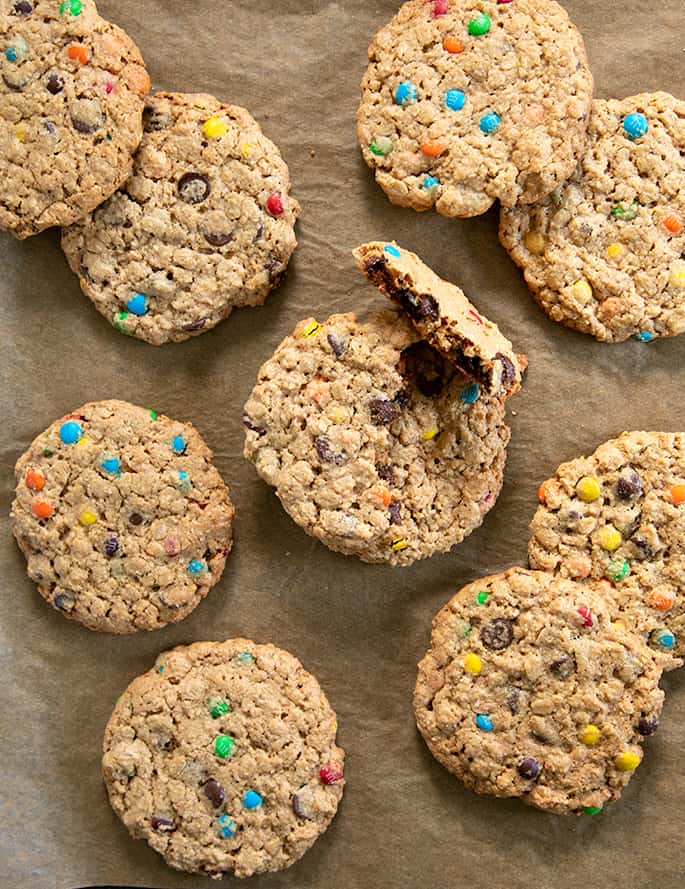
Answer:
(484, 722)
(455, 100)
(11, 54)
(489, 123)
(406, 94)
(635, 125)
(393, 251)
(70, 432)
(197, 566)
(430, 182)
(252, 800)
(178, 444)
(138, 304)
(664, 639)
(246, 658)
(227, 826)
(645, 337)
(160, 669)
(184, 482)
(471, 394)
(111, 465)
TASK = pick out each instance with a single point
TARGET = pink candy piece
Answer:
(440, 7)
(274, 204)
(502, 2)
(586, 614)
(329, 774)
(171, 547)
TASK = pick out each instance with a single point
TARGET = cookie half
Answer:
(224, 758)
(466, 102)
(529, 690)
(204, 225)
(71, 103)
(124, 521)
(604, 253)
(444, 316)
(618, 516)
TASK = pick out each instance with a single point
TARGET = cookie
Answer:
(618, 517)
(123, 519)
(224, 758)
(204, 225)
(530, 691)
(444, 317)
(71, 103)
(604, 253)
(466, 102)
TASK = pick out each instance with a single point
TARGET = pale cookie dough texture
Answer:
(466, 102)
(529, 690)
(123, 519)
(224, 758)
(604, 254)
(204, 225)
(71, 104)
(444, 316)
(618, 517)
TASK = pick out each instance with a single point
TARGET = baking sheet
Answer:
(360, 629)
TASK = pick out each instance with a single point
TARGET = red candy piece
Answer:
(475, 316)
(586, 614)
(440, 7)
(274, 205)
(502, 2)
(329, 774)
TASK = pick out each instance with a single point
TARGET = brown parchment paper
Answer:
(404, 822)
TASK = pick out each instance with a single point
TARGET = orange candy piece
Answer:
(78, 53)
(381, 495)
(662, 601)
(453, 44)
(138, 79)
(432, 148)
(41, 508)
(677, 493)
(673, 224)
(542, 492)
(35, 480)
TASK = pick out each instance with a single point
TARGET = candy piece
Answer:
(662, 601)
(609, 538)
(588, 489)
(484, 722)
(647, 725)
(489, 123)
(677, 276)
(440, 7)
(534, 243)
(77, 52)
(227, 826)
(635, 126)
(35, 480)
(330, 774)
(87, 518)
(498, 634)
(453, 45)
(591, 810)
(663, 639)
(502, 2)
(398, 544)
(178, 444)
(224, 746)
(73, 7)
(529, 768)
(162, 825)
(430, 434)
(479, 25)
(111, 545)
(430, 182)
(41, 508)
(582, 291)
(193, 188)
(473, 664)
(618, 570)
(275, 205)
(432, 148)
(215, 128)
(586, 615)
(542, 491)
(252, 800)
(64, 602)
(616, 251)
(391, 250)
(11, 54)
(626, 213)
(482, 597)
(184, 482)
(673, 224)
(589, 735)
(70, 432)
(311, 328)
(455, 100)
(214, 792)
(406, 94)
(122, 316)
(626, 761)
(471, 394)
(381, 146)
(677, 494)
(644, 337)
(138, 304)
(245, 658)
(380, 495)
(196, 566)
(218, 707)
(110, 465)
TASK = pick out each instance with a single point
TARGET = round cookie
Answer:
(123, 519)
(224, 758)
(71, 102)
(375, 444)
(466, 102)
(604, 253)
(618, 516)
(529, 690)
(204, 224)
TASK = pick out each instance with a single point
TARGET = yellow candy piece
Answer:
(473, 664)
(588, 489)
(582, 291)
(677, 278)
(431, 433)
(20, 132)
(609, 538)
(337, 414)
(589, 735)
(627, 762)
(616, 251)
(618, 625)
(245, 149)
(534, 243)
(310, 329)
(87, 517)
(399, 544)
(215, 128)
(83, 441)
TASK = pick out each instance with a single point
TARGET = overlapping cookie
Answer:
(71, 103)
(204, 225)
(470, 101)
(376, 442)
(604, 254)
(530, 690)
(224, 758)
(123, 519)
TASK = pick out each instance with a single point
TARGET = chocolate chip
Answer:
(252, 426)
(529, 768)
(55, 83)
(417, 306)
(298, 807)
(260, 232)
(111, 546)
(508, 370)
(16, 79)
(155, 118)
(645, 551)
(219, 239)
(86, 116)
(23, 7)
(64, 602)
(563, 667)
(647, 725)
(386, 473)
(383, 411)
(402, 398)
(194, 188)
(162, 825)
(497, 634)
(275, 269)
(49, 126)
(426, 368)
(395, 510)
(326, 453)
(196, 325)
(514, 699)
(629, 485)
(214, 792)
(135, 518)
(374, 265)
(337, 343)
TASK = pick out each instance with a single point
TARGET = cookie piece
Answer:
(203, 226)
(224, 758)
(618, 516)
(529, 690)
(604, 253)
(376, 445)
(466, 102)
(444, 316)
(123, 519)
(71, 102)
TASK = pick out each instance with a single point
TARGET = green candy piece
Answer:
(618, 570)
(468, 629)
(122, 316)
(47, 452)
(218, 707)
(381, 147)
(592, 810)
(482, 598)
(626, 213)
(224, 746)
(153, 414)
(75, 7)
(480, 25)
